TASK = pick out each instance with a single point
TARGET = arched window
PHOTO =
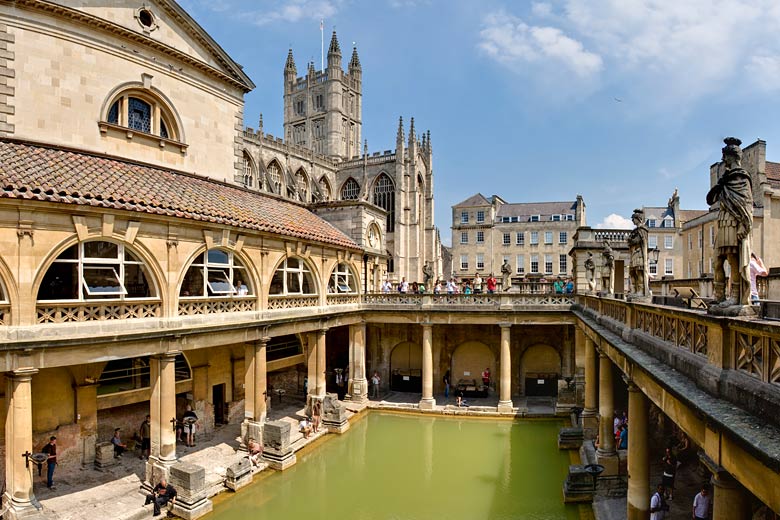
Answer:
(342, 280)
(216, 274)
(121, 375)
(96, 270)
(143, 111)
(350, 190)
(384, 197)
(275, 176)
(292, 277)
(248, 171)
(303, 185)
(325, 185)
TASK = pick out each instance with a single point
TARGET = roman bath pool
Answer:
(416, 467)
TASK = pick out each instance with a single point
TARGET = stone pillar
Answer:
(590, 416)
(86, 417)
(358, 385)
(18, 440)
(255, 390)
(607, 456)
(261, 382)
(163, 416)
(427, 402)
(321, 368)
(638, 458)
(505, 381)
(311, 363)
(730, 501)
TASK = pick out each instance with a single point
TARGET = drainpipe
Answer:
(365, 273)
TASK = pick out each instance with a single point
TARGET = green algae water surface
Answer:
(410, 467)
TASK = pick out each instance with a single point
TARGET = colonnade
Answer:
(730, 500)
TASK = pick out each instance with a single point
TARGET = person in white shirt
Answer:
(658, 506)
(451, 286)
(701, 504)
(616, 423)
(305, 427)
(403, 287)
(387, 286)
(757, 268)
(241, 288)
(477, 284)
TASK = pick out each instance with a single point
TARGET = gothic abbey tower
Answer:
(323, 109)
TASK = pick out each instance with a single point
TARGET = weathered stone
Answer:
(190, 483)
(239, 474)
(334, 414)
(277, 446)
(570, 438)
(578, 486)
(104, 455)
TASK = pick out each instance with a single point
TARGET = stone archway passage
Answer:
(470, 359)
(540, 370)
(406, 367)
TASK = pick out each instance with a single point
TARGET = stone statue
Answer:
(427, 273)
(506, 275)
(590, 272)
(734, 194)
(607, 268)
(637, 248)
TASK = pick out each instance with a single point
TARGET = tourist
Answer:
(486, 377)
(757, 268)
(451, 288)
(492, 284)
(477, 284)
(701, 504)
(466, 287)
(683, 449)
(387, 286)
(145, 432)
(316, 413)
(447, 384)
(119, 446)
(305, 427)
(569, 286)
(437, 287)
(559, 286)
(190, 419)
(658, 506)
(305, 386)
(255, 452)
(375, 380)
(459, 397)
(623, 440)
(403, 287)
(51, 461)
(160, 496)
(616, 422)
(241, 289)
(421, 288)
(669, 466)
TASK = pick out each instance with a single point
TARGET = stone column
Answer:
(607, 456)
(590, 416)
(321, 368)
(427, 402)
(18, 440)
(730, 501)
(311, 363)
(505, 382)
(261, 381)
(358, 385)
(255, 390)
(86, 416)
(638, 458)
(162, 408)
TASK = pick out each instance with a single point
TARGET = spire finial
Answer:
(290, 64)
(334, 44)
(429, 141)
(412, 136)
(354, 63)
(260, 123)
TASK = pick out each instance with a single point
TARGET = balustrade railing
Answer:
(71, 312)
(199, 306)
(343, 299)
(292, 302)
(757, 353)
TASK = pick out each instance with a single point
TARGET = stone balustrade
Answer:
(197, 306)
(68, 312)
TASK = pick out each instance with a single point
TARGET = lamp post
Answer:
(653, 256)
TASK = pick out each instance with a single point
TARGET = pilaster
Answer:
(590, 414)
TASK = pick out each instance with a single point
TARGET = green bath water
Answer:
(409, 467)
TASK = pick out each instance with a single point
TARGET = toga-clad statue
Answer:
(506, 275)
(590, 272)
(637, 247)
(427, 273)
(607, 268)
(734, 193)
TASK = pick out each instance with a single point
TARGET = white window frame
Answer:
(548, 237)
(300, 271)
(231, 272)
(668, 242)
(570, 218)
(668, 266)
(652, 242)
(480, 217)
(563, 263)
(651, 222)
(668, 222)
(534, 264)
(342, 280)
(464, 262)
(534, 238)
(653, 268)
(520, 238)
(556, 218)
(548, 264)
(536, 218)
(563, 237)
(480, 237)
(520, 264)
(480, 261)
(712, 235)
(464, 237)
(507, 239)
(464, 217)
(120, 287)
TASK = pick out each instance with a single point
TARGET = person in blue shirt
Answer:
(623, 437)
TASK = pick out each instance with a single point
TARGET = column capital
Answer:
(629, 381)
(322, 330)
(170, 355)
(20, 374)
(505, 324)
(426, 323)
(265, 340)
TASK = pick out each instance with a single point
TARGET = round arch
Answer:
(406, 367)
(343, 279)
(151, 92)
(469, 360)
(540, 369)
(10, 294)
(299, 265)
(252, 275)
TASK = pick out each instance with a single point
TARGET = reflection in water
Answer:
(413, 467)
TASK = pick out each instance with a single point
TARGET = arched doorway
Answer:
(540, 369)
(406, 367)
(469, 360)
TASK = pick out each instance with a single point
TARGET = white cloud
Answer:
(541, 9)
(764, 72)
(615, 221)
(512, 42)
(292, 11)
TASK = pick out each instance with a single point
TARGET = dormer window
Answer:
(535, 218)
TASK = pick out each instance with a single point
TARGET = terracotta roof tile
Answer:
(773, 173)
(35, 172)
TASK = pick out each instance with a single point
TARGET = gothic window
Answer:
(3, 298)
(319, 102)
(97, 270)
(342, 280)
(350, 190)
(215, 274)
(275, 174)
(303, 185)
(248, 174)
(325, 186)
(143, 111)
(384, 197)
(292, 277)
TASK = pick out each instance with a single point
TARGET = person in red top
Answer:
(491, 284)
(486, 377)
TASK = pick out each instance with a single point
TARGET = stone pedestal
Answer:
(250, 430)
(570, 438)
(578, 486)
(277, 449)
(358, 385)
(190, 483)
(239, 474)
(104, 455)
(334, 414)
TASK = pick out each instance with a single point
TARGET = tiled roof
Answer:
(526, 209)
(690, 214)
(36, 172)
(474, 200)
(773, 174)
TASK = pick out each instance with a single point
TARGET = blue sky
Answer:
(621, 101)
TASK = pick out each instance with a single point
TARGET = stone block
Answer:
(239, 474)
(578, 486)
(334, 414)
(104, 455)
(190, 483)
(570, 438)
(277, 445)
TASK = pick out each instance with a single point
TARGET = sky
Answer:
(620, 101)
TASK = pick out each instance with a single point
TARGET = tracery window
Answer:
(303, 185)
(275, 174)
(216, 274)
(384, 197)
(342, 280)
(142, 111)
(292, 277)
(350, 190)
(96, 270)
(325, 186)
(248, 178)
